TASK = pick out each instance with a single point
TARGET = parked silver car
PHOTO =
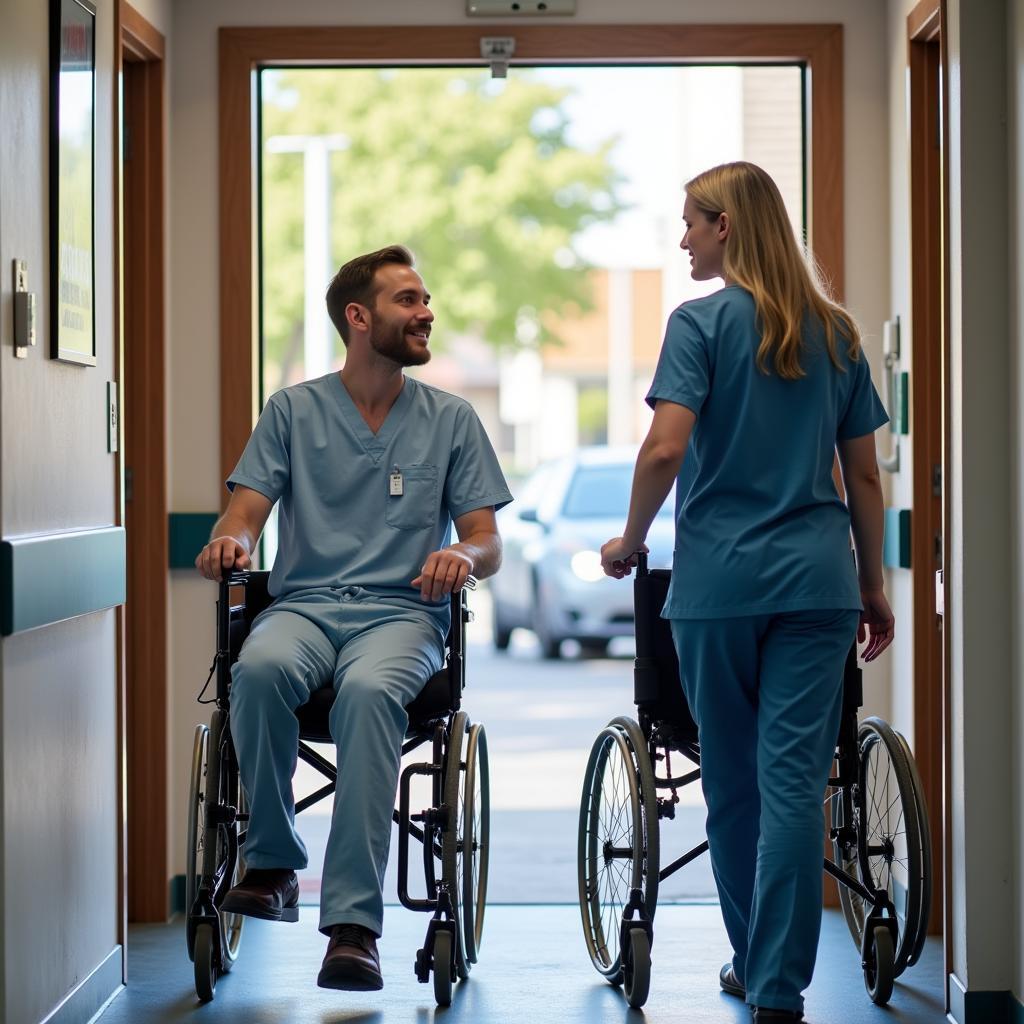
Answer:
(551, 579)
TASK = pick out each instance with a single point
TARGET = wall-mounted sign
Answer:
(72, 180)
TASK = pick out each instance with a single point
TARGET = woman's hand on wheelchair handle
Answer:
(618, 557)
(877, 623)
(222, 555)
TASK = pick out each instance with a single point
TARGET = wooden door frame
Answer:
(242, 51)
(142, 375)
(928, 269)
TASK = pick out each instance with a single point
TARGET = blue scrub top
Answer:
(760, 527)
(338, 523)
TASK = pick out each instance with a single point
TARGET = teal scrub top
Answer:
(760, 527)
(339, 525)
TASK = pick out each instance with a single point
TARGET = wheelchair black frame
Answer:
(846, 781)
(434, 820)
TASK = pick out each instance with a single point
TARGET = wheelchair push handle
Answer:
(641, 563)
(233, 578)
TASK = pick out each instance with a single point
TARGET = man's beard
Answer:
(391, 343)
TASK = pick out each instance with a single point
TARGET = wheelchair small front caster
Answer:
(443, 968)
(205, 968)
(636, 968)
(879, 964)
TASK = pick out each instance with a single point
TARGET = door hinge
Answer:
(937, 480)
(128, 483)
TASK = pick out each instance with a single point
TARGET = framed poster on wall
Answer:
(72, 181)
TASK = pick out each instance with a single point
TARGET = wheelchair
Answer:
(454, 831)
(875, 814)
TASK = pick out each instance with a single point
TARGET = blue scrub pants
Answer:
(379, 655)
(766, 693)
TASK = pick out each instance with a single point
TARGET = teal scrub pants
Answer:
(766, 693)
(378, 655)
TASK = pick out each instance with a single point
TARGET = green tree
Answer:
(477, 178)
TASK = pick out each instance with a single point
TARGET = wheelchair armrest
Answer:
(233, 623)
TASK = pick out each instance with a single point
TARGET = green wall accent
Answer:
(899, 414)
(177, 894)
(187, 534)
(59, 576)
(896, 543)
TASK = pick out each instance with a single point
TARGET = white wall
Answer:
(901, 484)
(194, 373)
(980, 573)
(156, 12)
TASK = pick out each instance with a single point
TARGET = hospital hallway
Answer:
(533, 968)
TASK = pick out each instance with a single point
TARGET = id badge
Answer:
(395, 487)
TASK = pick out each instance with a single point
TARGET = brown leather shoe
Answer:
(351, 962)
(271, 894)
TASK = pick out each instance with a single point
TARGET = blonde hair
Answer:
(763, 256)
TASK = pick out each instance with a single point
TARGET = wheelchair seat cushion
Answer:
(434, 701)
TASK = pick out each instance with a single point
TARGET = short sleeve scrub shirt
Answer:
(760, 527)
(340, 522)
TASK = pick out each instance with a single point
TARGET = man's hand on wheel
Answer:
(444, 572)
(220, 556)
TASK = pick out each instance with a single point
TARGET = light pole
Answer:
(318, 338)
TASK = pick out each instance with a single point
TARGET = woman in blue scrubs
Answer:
(757, 387)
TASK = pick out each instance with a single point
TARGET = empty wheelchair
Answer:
(453, 831)
(876, 819)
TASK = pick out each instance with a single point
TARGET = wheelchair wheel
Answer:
(610, 856)
(213, 858)
(891, 843)
(879, 965)
(231, 924)
(452, 874)
(443, 968)
(224, 867)
(651, 847)
(926, 854)
(203, 962)
(194, 825)
(636, 968)
(475, 829)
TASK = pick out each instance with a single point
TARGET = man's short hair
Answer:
(354, 282)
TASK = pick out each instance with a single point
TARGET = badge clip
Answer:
(395, 489)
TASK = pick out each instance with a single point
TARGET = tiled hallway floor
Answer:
(533, 970)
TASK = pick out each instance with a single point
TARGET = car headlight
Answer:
(587, 566)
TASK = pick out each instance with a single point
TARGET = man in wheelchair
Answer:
(370, 469)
